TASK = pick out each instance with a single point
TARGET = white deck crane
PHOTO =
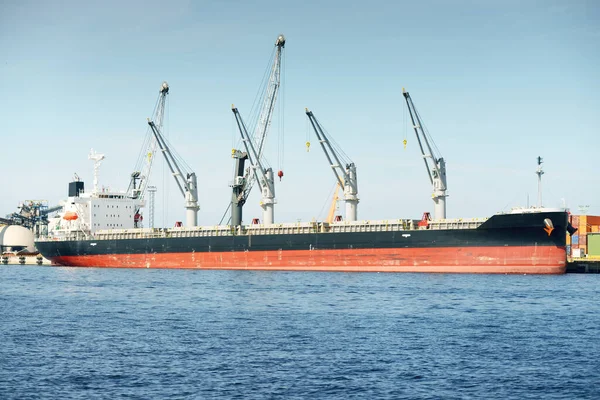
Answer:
(437, 170)
(345, 167)
(243, 182)
(146, 157)
(263, 175)
(184, 177)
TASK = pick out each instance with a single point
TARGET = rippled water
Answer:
(121, 333)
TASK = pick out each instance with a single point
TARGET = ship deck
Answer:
(395, 225)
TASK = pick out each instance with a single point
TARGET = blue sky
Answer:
(497, 83)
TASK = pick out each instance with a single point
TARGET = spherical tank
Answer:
(16, 238)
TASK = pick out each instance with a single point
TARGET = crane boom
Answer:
(270, 97)
(348, 174)
(264, 176)
(437, 170)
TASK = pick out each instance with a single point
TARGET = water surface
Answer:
(81, 333)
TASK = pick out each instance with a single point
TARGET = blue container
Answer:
(575, 239)
(568, 249)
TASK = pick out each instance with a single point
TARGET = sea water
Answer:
(84, 333)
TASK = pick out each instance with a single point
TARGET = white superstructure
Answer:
(90, 212)
(100, 209)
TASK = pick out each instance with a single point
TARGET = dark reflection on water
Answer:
(102, 333)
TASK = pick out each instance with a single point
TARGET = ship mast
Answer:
(539, 172)
(244, 181)
(97, 158)
(347, 180)
(437, 170)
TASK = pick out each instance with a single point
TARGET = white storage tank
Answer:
(16, 238)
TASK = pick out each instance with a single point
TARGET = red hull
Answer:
(485, 260)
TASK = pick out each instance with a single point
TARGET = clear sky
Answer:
(497, 83)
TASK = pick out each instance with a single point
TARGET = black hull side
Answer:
(510, 230)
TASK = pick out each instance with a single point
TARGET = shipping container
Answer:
(582, 240)
(568, 239)
(595, 228)
(594, 245)
(568, 250)
(575, 239)
(593, 220)
(576, 253)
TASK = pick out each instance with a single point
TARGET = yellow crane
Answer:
(333, 206)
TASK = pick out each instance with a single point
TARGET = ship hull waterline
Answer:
(485, 260)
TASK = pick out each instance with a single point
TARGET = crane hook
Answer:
(307, 147)
(404, 142)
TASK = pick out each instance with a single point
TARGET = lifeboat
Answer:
(70, 216)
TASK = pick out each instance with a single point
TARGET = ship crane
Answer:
(434, 163)
(184, 177)
(345, 172)
(263, 175)
(142, 172)
(243, 181)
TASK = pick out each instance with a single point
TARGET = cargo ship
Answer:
(98, 229)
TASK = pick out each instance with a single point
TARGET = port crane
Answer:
(33, 215)
(434, 163)
(244, 180)
(344, 169)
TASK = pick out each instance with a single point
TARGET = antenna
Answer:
(539, 173)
